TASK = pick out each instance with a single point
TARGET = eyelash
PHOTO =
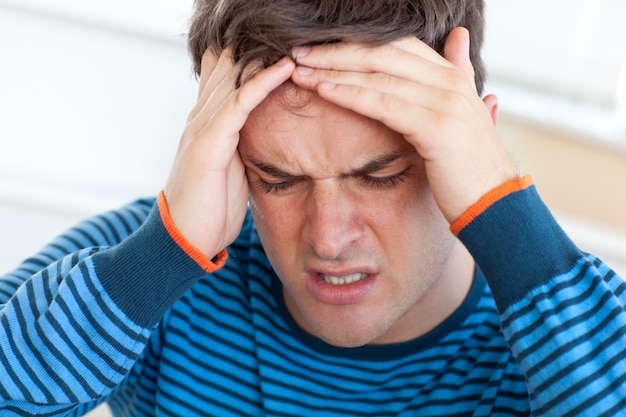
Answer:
(375, 182)
(275, 187)
(386, 182)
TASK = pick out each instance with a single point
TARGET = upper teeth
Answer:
(346, 279)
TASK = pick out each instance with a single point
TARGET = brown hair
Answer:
(266, 30)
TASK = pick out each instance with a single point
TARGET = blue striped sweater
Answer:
(114, 310)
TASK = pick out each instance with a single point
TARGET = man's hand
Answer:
(430, 99)
(207, 190)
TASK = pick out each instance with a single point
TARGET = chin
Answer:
(346, 342)
(348, 338)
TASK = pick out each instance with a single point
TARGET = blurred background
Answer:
(94, 95)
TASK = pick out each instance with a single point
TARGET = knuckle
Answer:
(240, 102)
(382, 80)
(380, 55)
(458, 80)
(456, 102)
(392, 103)
(330, 75)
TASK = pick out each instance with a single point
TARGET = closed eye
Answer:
(386, 182)
(276, 187)
(372, 174)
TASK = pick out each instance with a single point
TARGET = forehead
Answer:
(296, 127)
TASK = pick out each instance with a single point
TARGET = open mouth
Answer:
(344, 280)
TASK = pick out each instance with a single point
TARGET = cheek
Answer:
(275, 220)
(264, 208)
(412, 204)
(415, 230)
(279, 231)
(260, 213)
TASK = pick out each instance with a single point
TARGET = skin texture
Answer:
(336, 193)
(391, 145)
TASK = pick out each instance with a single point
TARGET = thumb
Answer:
(457, 50)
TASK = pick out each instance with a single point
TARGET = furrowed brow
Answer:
(270, 169)
(379, 163)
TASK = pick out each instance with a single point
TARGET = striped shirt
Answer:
(115, 310)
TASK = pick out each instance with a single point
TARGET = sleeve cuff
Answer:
(205, 263)
(488, 200)
(516, 242)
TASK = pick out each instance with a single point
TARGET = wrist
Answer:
(489, 199)
(209, 265)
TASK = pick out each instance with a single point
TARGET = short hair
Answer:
(263, 31)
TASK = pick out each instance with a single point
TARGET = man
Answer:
(381, 201)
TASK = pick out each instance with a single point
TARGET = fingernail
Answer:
(284, 61)
(300, 51)
(327, 85)
(304, 70)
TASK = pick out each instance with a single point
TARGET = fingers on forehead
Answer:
(352, 56)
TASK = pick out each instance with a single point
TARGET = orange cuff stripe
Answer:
(204, 262)
(488, 200)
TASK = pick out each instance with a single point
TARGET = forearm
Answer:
(63, 340)
(562, 311)
(152, 268)
(73, 331)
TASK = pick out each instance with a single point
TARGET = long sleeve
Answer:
(562, 310)
(75, 318)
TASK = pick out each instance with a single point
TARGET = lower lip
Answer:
(341, 294)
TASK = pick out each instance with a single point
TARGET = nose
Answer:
(332, 222)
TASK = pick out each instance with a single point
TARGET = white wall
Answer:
(87, 111)
(90, 116)
(561, 63)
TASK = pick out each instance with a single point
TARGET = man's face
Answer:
(344, 212)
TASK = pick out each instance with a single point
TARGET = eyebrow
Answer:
(377, 164)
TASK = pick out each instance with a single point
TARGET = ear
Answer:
(491, 102)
